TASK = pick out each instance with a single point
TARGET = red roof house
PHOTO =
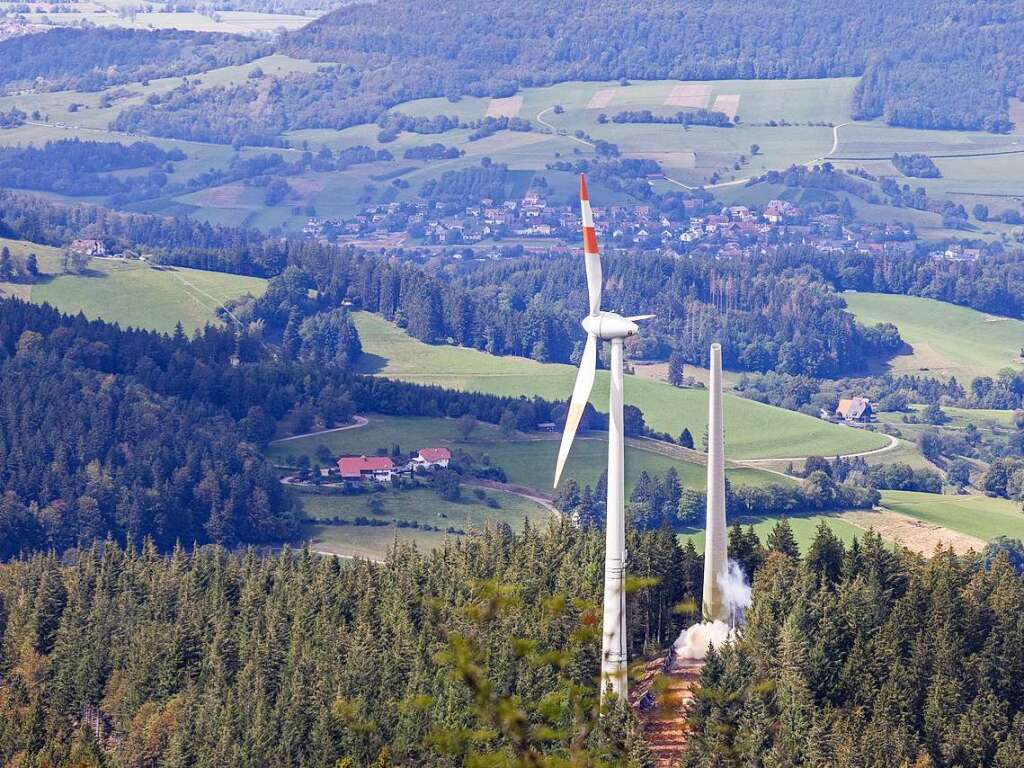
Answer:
(357, 468)
(434, 457)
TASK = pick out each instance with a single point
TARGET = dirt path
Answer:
(545, 500)
(358, 421)
(660, 700)
(916, 535)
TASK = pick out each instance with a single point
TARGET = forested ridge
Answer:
(862, 656)
(129, 434)
(925, 64)
(215, 659)
(91, 58)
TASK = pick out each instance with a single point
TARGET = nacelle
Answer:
(608, 325)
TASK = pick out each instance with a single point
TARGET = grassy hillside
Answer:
(131, 292)
(421, 506)
(753, 430)
(526, 460)
(945, 339)
(978, 516)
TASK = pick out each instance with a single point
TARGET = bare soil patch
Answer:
(227, 196)
(694, 95)
(915, 535)
(652, 371)
(507, 107)
(602, 98)
(306, 186)
(666, 695)
(670, 159)
(728, 103)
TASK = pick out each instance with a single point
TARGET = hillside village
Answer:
(538, 226)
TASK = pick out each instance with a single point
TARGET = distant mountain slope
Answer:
(926, 63)
(930, 63)
(93, 59)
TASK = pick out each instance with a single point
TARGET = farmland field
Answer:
(527, 461)
(979, 516)
(421, 506)
(945, 339)
(791, 121)
(132, 292)
(753, 430)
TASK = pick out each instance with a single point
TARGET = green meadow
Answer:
(976, 515)
(753, 430)
(527, 460)
(944, 339)
(421, 506)
(131, 293)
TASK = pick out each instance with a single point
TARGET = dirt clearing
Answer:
(728, 103)
(602, 98)
(507, 107)
(915, 535)
(228, 196)
(689, 95)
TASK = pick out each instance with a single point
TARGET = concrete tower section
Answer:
(716, 563)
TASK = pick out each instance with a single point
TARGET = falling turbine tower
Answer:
(614, 328)
(716, 564)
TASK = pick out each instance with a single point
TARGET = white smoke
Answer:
(695, 641)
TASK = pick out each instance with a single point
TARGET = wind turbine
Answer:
(614, 328)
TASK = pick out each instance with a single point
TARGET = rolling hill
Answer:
(753, 430)
(944, 339)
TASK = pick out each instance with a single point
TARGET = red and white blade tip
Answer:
(583, 188)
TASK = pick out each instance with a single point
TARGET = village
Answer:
(534, 225)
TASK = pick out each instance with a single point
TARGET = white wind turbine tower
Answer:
(604, 326)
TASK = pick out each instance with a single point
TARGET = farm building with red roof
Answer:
(359, 468)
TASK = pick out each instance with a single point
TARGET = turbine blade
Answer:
(638, 318)
(580, 396)
(591, 255)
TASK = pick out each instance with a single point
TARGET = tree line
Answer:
(860, 655)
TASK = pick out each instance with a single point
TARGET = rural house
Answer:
(854, 410)
(433, 458)
(357, 469)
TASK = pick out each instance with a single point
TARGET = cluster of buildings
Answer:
(360, 470)
(540, 225)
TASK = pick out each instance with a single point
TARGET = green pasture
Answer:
(753, 430)
(945, 339)
(131, 293)
(976, 515)
(420, 505)
(527, 460)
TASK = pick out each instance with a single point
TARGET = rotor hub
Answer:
(608, 326)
